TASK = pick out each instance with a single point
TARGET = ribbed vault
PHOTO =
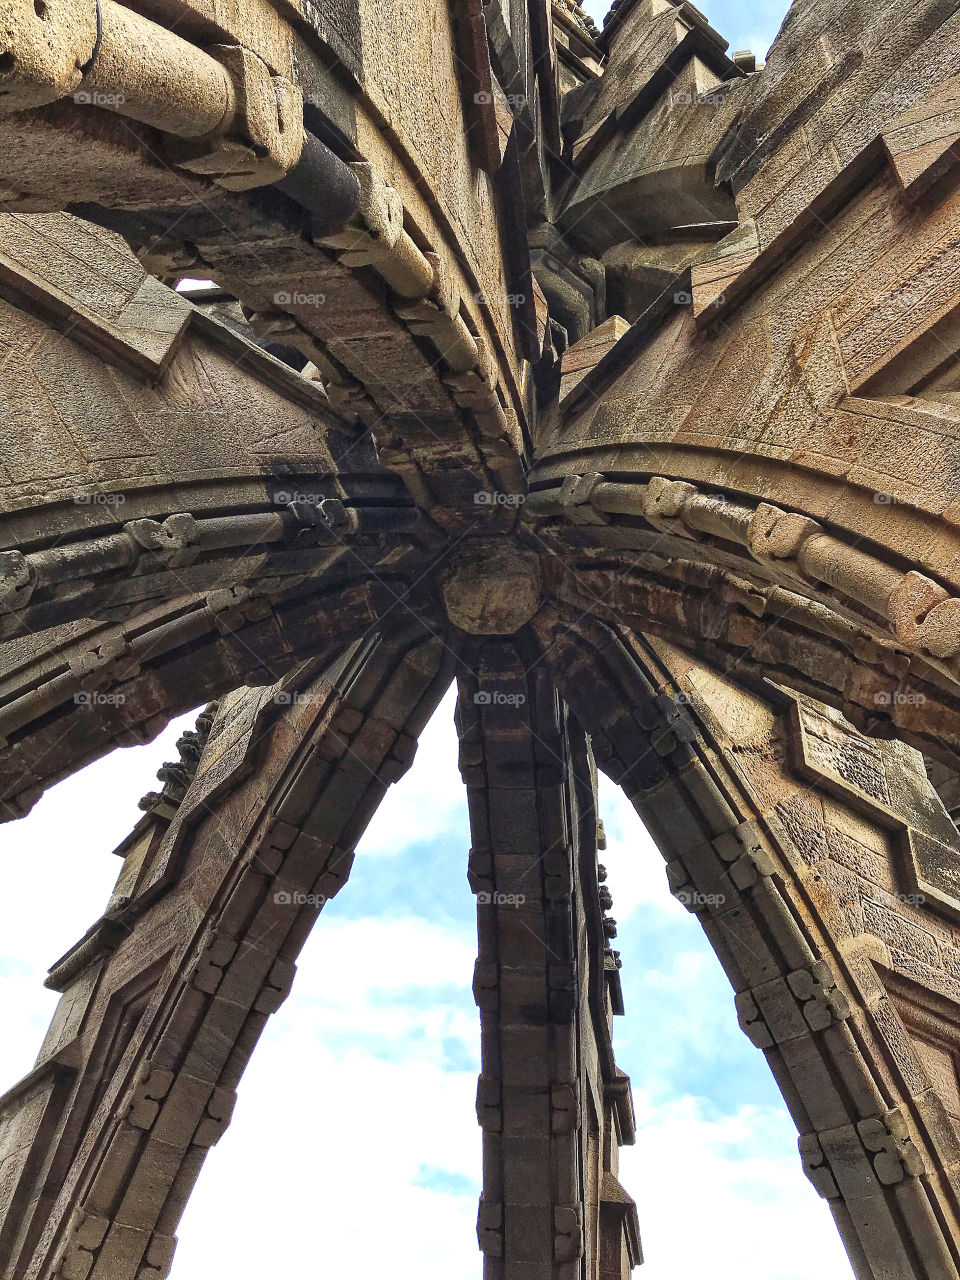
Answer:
(707, 546)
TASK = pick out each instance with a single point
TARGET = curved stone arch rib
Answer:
(885, 566)
(220, 471)
(89, 691)
(757, 635)
(806, 943)
(261, 551)
(193, 957)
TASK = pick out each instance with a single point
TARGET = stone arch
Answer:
(806, 871)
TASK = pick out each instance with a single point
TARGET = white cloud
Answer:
(57, 870)
(321, 1169)
(636, 869)
(722, 1196)
(425, 956)
(431, 800)
(329, 1146)
(327, 1150)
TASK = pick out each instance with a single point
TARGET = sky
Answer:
(747, 24)
(354, 1148)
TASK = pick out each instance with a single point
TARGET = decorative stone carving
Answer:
(492, 590)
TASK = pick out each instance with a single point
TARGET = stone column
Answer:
(551, 1102)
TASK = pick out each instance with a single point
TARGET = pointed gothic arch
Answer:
(708, 546)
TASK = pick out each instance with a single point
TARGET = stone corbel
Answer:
(88, 1238)
(924, 615)
(17, 581)
(85, 1237)
(791, 1007)
(882, 1144)
(44, 54)
(437, 317)
(262, 141)
(490, 1229)
(375, 237)
(490, 1104)
(664, 503)
(568, 1233)
(224, 112)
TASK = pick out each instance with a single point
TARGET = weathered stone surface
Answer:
(605, 366)
(546, 982)
(492, 589)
